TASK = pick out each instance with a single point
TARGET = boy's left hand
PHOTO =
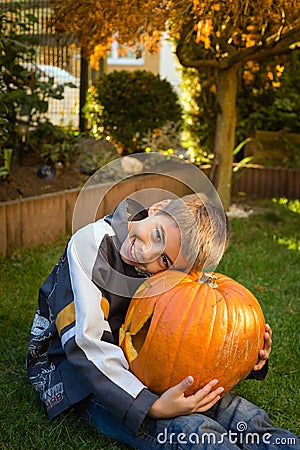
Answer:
(265, 352)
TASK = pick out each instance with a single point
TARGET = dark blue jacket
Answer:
(73, 350)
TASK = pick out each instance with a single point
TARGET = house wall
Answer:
(163, 63)
(151, 64)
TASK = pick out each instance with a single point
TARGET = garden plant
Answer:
(24, 96)
(124, 106)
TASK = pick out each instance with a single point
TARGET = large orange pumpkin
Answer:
(213, 328)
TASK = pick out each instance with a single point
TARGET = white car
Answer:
(63, 112)
(60, 76)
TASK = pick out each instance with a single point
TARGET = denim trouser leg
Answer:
(250, 426)
(182, 432)
(233, 423)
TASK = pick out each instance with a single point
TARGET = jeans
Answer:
(233, 423)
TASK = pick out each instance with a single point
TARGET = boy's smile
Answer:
(153, 244)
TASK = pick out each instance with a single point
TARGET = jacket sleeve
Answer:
(259, 375)
(82, 327)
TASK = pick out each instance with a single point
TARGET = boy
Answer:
(73, 356)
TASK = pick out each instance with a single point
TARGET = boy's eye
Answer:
(165, 261)
(160, 239)
(158, 235)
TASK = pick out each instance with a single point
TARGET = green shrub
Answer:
(123, 106)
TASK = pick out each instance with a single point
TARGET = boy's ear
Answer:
(158, 206)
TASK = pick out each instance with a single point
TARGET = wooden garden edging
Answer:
(41, 220)
(35, 220)
(267, 182)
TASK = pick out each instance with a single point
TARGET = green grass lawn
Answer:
(264, 255)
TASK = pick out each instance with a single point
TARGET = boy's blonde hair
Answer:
(203, 228)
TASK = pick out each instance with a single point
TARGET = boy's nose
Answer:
(151, 251)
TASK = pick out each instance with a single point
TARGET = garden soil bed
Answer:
(24, 182)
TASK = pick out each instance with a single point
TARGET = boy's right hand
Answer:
(173, 402)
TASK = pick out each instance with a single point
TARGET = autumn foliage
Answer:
(218, 35)
(219, 28)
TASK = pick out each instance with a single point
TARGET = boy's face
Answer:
(153, 244)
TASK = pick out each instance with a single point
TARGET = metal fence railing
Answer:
(56, 56)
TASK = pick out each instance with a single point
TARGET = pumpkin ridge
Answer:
(233, 321)
(172, 362)
(187, 312)
(216, 342)
(257, 314)
(239, 318)
(200, 349)
(143, 356)
(215, 305)
(225, 319)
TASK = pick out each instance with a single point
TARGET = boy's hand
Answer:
(265, 352)
(173, 402)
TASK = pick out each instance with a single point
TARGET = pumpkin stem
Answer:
(209, 279)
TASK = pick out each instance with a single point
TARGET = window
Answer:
(125, 54)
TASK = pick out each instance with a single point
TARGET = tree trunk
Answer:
(221, 173)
